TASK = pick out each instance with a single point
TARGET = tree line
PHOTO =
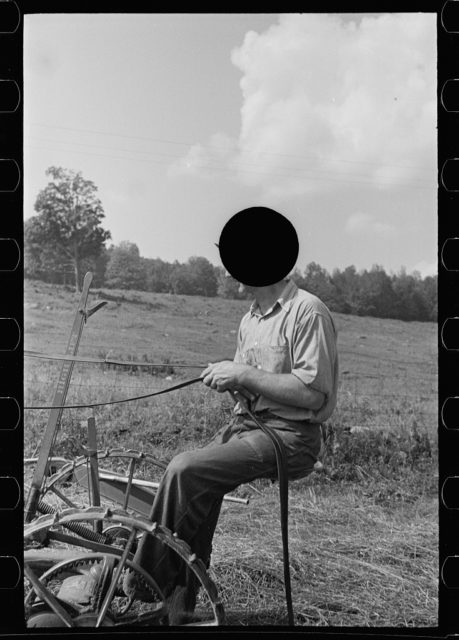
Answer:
(66, 238)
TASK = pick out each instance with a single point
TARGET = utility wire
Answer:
(228, 170)
(190, 144)
(176, 157)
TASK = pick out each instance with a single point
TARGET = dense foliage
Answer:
(66, 233)
(371, 292)
(65, 239)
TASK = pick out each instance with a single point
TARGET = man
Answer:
(286, 366)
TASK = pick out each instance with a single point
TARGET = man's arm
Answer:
(285, 388)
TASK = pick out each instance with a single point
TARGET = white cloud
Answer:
(206, 160)
(329, 102)
(364, 224)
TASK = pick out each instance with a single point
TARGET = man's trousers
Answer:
(190, 494)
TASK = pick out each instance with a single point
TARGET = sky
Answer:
(181, 120)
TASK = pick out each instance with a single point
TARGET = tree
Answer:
(228, 287)
(347, 285)
(298, 278)
(69, 219)
(157, 275)
(411, 303)
(317, 281)
(376, 295)
(429, 291)
(194, 278)
(202, 275)
(99, 267)
(181, 280)
(125, 268)
(43, 261)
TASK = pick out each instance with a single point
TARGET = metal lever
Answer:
(95, 308)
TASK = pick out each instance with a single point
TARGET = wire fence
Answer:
(364, 399)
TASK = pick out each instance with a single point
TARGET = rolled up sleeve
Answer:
(314, 353)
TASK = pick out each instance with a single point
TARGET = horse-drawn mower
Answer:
(83, 521)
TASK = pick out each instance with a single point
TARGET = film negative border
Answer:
(448, 311)
(11, 306)
(11, 316)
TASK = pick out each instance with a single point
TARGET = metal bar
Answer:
(60, 395)
(103, 475)
(48, 597)
(140, 500)
(55, 461)
(88, 475)
(76, 527)
(82, 542)
(109, 596)
(129, 483)
(94, 468)
(40, 560)
(95, 308)
(60, 495)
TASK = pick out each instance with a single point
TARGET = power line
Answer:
(190, 144)
(230, 171)
(168, 155)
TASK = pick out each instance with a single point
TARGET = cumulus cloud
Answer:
(329, 102)
(365, 224)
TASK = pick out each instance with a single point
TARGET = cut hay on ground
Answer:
(369, 568)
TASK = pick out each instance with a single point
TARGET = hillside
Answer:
(381, 360)
(363, 532)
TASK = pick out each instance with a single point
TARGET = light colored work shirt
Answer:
(296, 335)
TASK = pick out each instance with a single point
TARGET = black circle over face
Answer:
(258, 246)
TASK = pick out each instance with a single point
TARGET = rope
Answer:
(100, 404)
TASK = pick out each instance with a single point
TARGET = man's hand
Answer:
(225, 376)
(251, 382)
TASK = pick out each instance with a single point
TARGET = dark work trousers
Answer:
(190, 494)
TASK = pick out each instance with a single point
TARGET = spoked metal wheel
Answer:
(85, 588)
(114, 477)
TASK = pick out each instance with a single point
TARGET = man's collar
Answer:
(285, 300)
(286, 297)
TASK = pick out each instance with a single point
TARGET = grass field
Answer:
(363, 532)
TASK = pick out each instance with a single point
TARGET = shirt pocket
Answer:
(275, 359)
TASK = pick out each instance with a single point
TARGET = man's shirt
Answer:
(296, 335)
